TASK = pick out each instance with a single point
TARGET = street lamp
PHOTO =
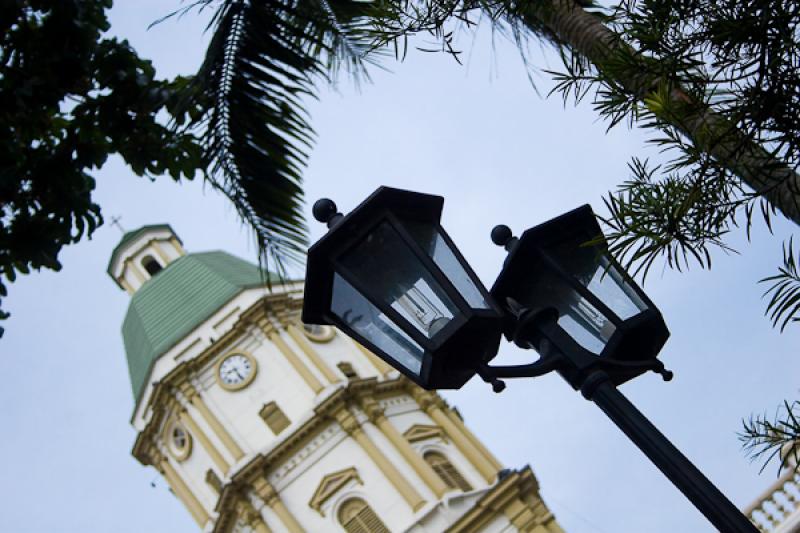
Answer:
(577, 300)
(389, 276)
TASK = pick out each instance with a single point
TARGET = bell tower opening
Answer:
(152, 266)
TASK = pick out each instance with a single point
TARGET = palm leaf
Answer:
(765, 439)
(784, 291)
(263, 62)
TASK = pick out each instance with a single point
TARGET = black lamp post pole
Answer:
(594, 380)
(690, 481)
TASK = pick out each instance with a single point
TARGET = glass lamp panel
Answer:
(430, 239)
(577, 316)
(394, 275)
(368, 321)
(592, 267)
(610, 286)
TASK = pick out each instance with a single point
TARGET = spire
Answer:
(142, 254)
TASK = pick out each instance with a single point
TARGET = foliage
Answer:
(784, 305)
(69, 98)
(263, 62)
(717, 84)
(765, 439)
(719, 97)
(732, 63)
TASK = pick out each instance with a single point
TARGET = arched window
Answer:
(358, 517)
(445, 470)
(152, 266)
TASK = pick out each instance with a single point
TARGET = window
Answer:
(179, 442)
(274, 417)
(347, 370)
(358, 517)
(152, 266)
(213, 479)
(445, 470)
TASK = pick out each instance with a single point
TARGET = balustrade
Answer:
(778, 508)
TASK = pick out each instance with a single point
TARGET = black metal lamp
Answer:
(388, 275)
(579, 298)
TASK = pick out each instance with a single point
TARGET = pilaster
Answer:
(423, 469)
(159, 252)
(207, 445)
(311, 353)
(434, 407)
(300, 367)
(248, 514)
(473, 439)
(191, 394)
(270, 496)
(180, 488)
(349, 423)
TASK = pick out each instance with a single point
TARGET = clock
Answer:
(235, 371)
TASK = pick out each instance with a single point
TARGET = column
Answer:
(381, 365)
(270, 496)
(419, 465)
(312, 354)
(251, 517)
(209, 447)
(213, 422)
(354, 429)
(431, 404)
(473, 439)
(182, 491)
(300, 367)
(136, 272)
(125, 285)
(174, 241)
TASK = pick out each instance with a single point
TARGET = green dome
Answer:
(177, 300)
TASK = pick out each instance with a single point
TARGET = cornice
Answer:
(518, 484)
(179, 377)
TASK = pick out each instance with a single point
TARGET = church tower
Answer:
(260, 423)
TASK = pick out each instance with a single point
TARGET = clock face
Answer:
(236, 370)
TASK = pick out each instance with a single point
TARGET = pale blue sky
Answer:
(480, 136)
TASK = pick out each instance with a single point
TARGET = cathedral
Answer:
(260, 423)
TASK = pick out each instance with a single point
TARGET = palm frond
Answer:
(766, 439)
(784, 292)
(261, 66)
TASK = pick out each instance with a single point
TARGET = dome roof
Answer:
(177, 300)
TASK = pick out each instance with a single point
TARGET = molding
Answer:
(517, 497)
(301, 339)
(330, 485)
(231, 387)
(154, 244)
(419, 432)
(184, 493)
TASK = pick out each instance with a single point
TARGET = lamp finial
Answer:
(325, 211)
(502, 236)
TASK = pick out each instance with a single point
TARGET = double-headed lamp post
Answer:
(389, 276)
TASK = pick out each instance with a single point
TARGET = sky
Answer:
(479, 135)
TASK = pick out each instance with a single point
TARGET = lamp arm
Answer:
(550, 360)
(539, 325)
